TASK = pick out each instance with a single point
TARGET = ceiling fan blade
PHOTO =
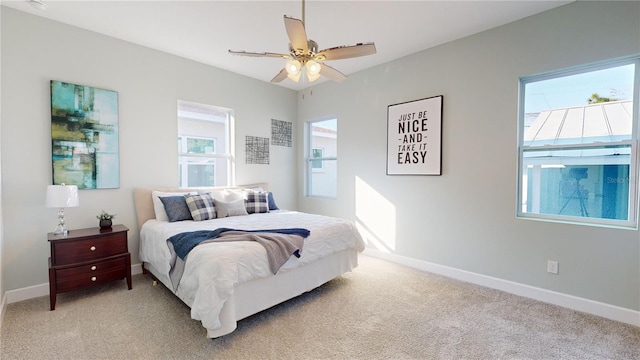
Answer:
(297, 34)
(281, 76)
(260, 54)
(346, 52)
(331, 73)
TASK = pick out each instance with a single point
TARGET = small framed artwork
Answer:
(281, 133)
(414, 137)
(84, 136)
(257, 150)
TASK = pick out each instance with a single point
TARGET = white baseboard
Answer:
(3, 307)
(136, 269)
(35, 291)
(27, 293)
(604, 310)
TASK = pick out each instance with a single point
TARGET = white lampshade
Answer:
(313, 70)
(62, 196)
(293, 70)
(293, 67)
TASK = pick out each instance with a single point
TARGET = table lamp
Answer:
(62, 196)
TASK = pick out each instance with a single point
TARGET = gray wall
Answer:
(465, 218)
(149, 83)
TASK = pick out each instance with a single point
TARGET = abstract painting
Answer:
(84, 136)
(257, 150)
(280, 133)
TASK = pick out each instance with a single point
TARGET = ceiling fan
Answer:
(303, 53)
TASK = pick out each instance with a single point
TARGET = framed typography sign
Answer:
(414, 137)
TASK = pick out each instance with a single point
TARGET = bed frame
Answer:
(254, 296)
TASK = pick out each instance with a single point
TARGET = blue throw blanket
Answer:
(186, 241)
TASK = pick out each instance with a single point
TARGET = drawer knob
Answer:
(93, 248)
(93, 267)
(94, 278)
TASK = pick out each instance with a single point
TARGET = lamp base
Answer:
(60, 229)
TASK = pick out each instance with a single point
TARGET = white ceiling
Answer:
(205, 30)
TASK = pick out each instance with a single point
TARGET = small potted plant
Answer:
(105, 219)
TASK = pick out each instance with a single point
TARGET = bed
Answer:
(224, 282)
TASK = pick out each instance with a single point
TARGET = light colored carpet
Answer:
(380, 310)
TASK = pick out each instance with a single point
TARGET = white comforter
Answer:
(213, 270)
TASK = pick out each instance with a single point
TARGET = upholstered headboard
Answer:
(144, 202)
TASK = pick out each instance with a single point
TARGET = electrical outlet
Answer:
(552, 267)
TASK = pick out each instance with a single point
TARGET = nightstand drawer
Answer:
(85, 250)
(91, 269)
(82, 276)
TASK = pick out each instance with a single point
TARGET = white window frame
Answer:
(309, 158)
(228, 155)
(632, 221)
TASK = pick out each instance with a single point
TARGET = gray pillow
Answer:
(231, 208)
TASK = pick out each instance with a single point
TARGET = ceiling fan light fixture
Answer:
(293, 67)
(313, 70)
(295, 77)
(293, 70)
(303, 52)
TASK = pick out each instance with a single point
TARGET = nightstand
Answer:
(87, 257)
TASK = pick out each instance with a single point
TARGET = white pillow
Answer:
(233, 195)
(216, 194)
(158, 207)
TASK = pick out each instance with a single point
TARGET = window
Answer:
(577, 144)
(322, 162)
(204, 148)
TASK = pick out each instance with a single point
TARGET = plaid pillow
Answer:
(201, 206)
(257, 203)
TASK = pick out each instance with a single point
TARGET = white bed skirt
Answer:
(260, 294)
